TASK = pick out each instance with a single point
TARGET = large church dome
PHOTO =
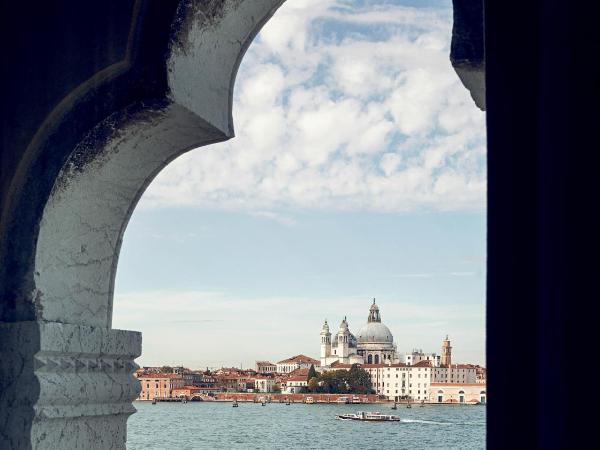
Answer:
(374, 331)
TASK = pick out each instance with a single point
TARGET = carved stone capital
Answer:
(67, 386)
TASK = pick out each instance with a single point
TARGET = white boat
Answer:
(369, 417)
(356, 399)
(310, 400)
(343, 400)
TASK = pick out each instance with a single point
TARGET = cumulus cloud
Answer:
(342, 107)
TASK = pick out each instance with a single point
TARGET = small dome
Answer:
(325, 328)
(375, 332)
(344, 324)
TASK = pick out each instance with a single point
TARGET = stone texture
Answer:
(66, 385)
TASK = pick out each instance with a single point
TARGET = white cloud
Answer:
(185, 324)
(338, 107)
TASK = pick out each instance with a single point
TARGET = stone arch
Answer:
(92, 170)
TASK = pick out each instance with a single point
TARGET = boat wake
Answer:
(430, 422)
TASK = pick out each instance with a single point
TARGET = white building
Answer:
(264, 384)
(296, 362)
(414, 381)
(265, 367)
(399, 381)
(294, 384)
(374, 344)
(417, 355)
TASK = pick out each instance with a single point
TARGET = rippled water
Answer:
(197, 425)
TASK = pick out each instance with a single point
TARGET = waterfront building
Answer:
(399, 381)
(232, 382)
(481, 374)
(455, 373)
(458, 393)
(296, 362)
(414, 381)
(264, 384)
(265, 367)
(158, 385)
(294, 384)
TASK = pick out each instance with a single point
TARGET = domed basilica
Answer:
(374, 344)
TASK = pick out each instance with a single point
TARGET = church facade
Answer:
(373, 344)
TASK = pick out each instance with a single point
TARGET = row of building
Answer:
(161, 382)
(416, 375)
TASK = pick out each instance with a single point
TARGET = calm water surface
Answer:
(208, 425)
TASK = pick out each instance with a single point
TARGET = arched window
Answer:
(376, 359)
(370, 359)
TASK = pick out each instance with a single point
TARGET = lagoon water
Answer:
(216, 425)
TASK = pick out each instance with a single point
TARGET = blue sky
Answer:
(357, 171)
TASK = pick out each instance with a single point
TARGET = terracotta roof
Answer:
(340, 365)
(159, 375)
(260, 377)
(423, 363)
(301, 359)
(264, 363)
(302, 372)
(380, 366)
(464, 366)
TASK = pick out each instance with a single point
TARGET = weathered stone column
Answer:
(67, 385)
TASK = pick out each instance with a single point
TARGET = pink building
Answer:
(159, 385)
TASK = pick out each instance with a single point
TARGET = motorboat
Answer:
(309, 400)
(235, 404)
(356, 399)
(369, 417)
(395, 406)
(343, 400)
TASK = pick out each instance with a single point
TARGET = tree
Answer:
(359, 380)
(333, 381)
(313, 384)
(166, 369)
(312, 373)
(276, 388)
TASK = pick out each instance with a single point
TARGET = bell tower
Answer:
(343, 341)
(325, 343)
(446, 352)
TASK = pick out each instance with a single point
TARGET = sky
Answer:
(357, 172)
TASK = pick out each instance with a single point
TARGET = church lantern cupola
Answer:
(374, 313)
